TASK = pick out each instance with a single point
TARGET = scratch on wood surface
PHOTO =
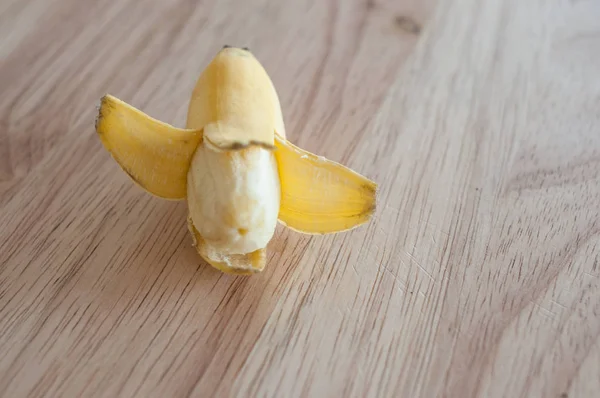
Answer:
(559, 304)
(396, 278)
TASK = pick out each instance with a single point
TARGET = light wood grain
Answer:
(478, 277)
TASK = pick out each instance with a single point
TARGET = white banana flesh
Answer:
(234, 198)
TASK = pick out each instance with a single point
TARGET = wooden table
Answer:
(479, 275)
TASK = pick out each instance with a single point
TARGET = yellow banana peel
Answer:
(234, 166)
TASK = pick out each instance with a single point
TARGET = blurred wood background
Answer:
(478, 277)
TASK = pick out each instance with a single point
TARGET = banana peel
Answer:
(234, 166)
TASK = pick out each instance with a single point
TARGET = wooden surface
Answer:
(478, 276)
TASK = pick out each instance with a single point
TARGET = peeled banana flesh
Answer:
(234, 166)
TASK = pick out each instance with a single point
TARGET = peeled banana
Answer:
(234, 166)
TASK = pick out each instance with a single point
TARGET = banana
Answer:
(234, 166)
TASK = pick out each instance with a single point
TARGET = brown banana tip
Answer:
(98, 118)
(373, 190)
(228, 46)
(238, 146)
(99, 112)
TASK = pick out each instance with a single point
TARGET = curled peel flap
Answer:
(320, 196)
(154, 154)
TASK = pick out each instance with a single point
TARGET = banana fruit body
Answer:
(234, 198)
(234, 166)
